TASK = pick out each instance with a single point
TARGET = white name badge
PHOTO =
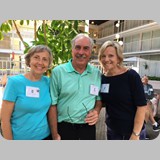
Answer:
(151, 89)
(105, 88)
(94, 90)
(32, 92)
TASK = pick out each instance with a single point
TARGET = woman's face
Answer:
(109, 59)
(39, 62)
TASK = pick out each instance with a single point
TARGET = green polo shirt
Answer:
(70, 91)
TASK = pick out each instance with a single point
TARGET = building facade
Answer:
(140, 39)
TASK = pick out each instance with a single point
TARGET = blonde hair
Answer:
(115, 45)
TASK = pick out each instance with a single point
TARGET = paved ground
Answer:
(101, 126)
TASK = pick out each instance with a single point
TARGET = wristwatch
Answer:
(136, 134)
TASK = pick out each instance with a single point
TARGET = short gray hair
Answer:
(37, 49)
(82, 35)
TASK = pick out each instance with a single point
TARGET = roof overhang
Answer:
(129, 32)
(9, 51)
(142, 53)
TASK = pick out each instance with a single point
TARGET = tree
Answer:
(8, 25)
(56, 34)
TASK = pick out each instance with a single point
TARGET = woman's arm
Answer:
(52, 118)
(138, 122)
(6, 112)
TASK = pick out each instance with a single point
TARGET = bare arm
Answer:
(52, 117)
(93, 115)
(138, 122)
(6, 112)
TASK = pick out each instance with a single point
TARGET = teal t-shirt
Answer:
(71, 91)
(29, 117)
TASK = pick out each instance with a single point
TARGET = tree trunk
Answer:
(35, 30)
(19, 34)
(44, 30)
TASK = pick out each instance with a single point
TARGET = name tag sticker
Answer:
(32, 92)
(94, 90)
(105, 88)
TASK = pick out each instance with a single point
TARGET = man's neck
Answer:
(79, 68)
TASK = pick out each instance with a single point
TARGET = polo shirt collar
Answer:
(70, 67)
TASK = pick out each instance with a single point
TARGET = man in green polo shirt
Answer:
(75, 94)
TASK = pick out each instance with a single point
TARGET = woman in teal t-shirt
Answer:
(26, 99)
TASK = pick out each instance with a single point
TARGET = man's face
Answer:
(81, 52)
(145, 80)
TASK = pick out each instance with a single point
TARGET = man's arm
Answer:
(52, 118)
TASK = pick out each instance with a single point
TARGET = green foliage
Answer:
(1, 36)
(58, 37)
(7, 26)
(154, 78)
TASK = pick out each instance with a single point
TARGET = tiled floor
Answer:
(101, 126)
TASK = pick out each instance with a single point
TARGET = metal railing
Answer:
(13, 71)
(110, 29)
(9, 67)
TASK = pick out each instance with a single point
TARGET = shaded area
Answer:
(101, 127)
(150, 133)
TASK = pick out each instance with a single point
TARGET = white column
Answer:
(87, 26)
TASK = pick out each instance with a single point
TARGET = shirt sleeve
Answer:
(10, 92)
(138, 92)
(54, 87)
(99, 76)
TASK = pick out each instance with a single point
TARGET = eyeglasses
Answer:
(79, 117)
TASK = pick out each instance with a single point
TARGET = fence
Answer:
(10, 67)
